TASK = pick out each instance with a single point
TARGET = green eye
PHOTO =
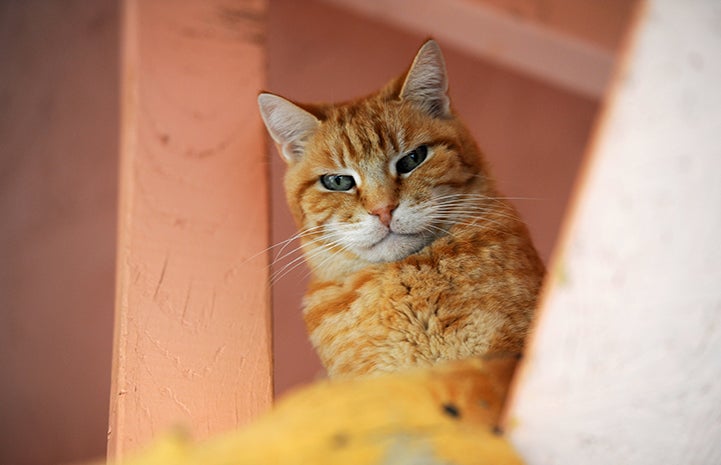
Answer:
(412, 160)
(337, 182)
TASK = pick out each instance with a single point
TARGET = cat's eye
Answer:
(337, 182)
(412, 159)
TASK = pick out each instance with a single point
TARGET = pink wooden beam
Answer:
(192, 332)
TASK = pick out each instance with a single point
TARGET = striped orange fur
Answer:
(415, 256)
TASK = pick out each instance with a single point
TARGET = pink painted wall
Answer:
(58, 168)
(534, 134)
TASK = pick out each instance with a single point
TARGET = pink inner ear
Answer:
(289, 125)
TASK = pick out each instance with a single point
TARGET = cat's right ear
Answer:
(426, 83)
(289, 125)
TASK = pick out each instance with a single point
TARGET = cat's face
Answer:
(381, 181)
(380, 178)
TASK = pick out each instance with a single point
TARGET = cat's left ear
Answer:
(289, 125)
(426, 83)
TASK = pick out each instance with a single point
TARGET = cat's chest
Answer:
(445, 303)
(419, 294)
(400, 316)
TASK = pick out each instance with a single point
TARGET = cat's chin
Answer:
(394, 247)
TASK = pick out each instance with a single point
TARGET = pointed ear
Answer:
(426, 83)
(289, 125)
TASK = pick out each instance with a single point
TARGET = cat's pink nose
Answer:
(384, 213)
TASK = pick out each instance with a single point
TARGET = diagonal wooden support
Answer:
(192, 332)
(552, 56)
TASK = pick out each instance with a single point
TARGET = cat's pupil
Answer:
(412, 160)
(337, 182)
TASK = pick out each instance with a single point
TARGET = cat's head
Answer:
(379, 178)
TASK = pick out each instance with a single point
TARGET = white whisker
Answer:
(301, 257)
(308, 258)
(284, 243)
(328, 258)
(300, 247)
(302, 233)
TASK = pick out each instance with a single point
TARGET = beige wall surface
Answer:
(58, 158)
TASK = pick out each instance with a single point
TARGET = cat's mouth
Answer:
(395, 236)
(395, 246)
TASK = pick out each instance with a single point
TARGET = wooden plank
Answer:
(192, 331)
(624, 365)
(560, 59)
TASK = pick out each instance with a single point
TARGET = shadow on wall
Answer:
(58, 169)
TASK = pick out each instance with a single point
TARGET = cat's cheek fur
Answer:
(411, 218)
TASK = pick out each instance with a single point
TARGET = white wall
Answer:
(624, 366)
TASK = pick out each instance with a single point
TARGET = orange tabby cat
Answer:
(415, 258)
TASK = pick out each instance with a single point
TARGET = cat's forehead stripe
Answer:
(346, 147)
(361, 136)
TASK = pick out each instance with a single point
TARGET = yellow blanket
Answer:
(440, 415)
